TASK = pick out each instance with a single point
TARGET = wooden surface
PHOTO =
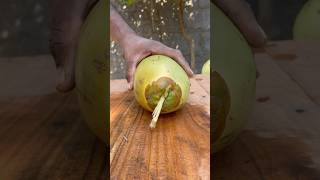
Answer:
(45, 137)
(282, 139)
(178, 148)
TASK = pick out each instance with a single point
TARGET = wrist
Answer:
(126, 39)
(119, 29)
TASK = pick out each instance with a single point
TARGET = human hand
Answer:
(137, 48)
(240, 13)
(67, 19)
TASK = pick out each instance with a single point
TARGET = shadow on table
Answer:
(265, 158)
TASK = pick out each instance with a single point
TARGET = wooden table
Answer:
(179, 146)
(45, 137)
(282, 139)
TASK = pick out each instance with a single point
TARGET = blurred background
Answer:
(43, 134)
(24, 25)
(26, 67)
(163, 21)
(24, 35)
(277, 17)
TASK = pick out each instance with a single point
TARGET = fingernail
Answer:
(191, 73)
(129, 86)
(263, 34)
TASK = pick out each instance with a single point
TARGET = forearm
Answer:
(119, 29)
(241, 14)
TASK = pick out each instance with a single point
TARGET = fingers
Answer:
(68, 16)
(173, 53)
(131, 68)
(65, 81)
(143, 48)
(132, 65)
(241, 14)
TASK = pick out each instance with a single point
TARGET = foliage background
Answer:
(160, 20)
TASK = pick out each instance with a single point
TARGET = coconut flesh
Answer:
(160, 86)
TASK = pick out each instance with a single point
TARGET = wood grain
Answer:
(178, 148)
(282, 139)
(303, 66)
(45, 137)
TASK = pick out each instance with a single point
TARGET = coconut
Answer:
(92, 83)
(160, 86)
(233, 80)
(206, 68)
(307, 24)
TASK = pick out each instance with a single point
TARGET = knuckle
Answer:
(178, 52)
(128, 76)
(57, 43)
(154, 47)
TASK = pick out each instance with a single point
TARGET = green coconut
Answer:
(206, 68)
(233, 80)
(307, 24)
(160, 86)
(92, 70)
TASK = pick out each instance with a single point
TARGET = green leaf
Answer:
(127, 2)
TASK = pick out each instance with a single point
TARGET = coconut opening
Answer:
(163, 96)
(221, 104)
(157, 110)
(154, 92)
